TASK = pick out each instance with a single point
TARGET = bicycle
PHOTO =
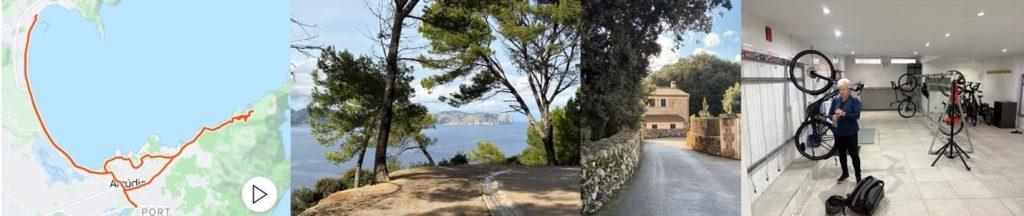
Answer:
(970, 104)
(815, 138)
(954, 114)
(905, 104)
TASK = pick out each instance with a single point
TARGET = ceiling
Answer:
(900, 27)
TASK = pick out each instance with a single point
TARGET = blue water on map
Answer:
(309, 165)
(161, 68)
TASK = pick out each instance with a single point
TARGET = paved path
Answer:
(674, 180)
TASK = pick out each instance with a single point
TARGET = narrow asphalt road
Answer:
(675, 180)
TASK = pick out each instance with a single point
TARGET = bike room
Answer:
(875, 43)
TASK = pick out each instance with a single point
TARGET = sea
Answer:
(158, 68)
(309, 164)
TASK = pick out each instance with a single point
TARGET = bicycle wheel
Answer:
(986, 116)
(812, 79)
(971, 115)
(907, 108)
(954, 115)
(907, 82)
(815, 139)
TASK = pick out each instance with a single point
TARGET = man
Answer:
(845, 112)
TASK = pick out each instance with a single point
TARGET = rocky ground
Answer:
(459, 191)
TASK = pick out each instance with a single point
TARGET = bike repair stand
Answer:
(951, 149)
(938, 134)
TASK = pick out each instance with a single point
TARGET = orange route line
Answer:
(105, 171)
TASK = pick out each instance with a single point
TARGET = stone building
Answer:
(667, 108)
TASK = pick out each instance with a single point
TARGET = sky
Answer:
(345, 25)
(723, 40)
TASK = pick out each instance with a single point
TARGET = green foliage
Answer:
(327, 186)
(566, 134)
(347, 101)
(618, 39)
(512, 160)
(702, 76)
(486, 153)
(533, 155)
(458, 159)
(460, 35)
(540, 38)
(704, 110)
(731, 99)
(394, 165)
(365, 176)
(304, 198)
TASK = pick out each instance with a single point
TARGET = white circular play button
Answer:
(259, 194)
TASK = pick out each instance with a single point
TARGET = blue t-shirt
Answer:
(847, 125)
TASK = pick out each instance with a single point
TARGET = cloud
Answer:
(302, 85)
(700, 50)
(668, 54)
(711, 40)
(738, 58)
(728, 33)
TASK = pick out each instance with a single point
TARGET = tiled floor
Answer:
(993, 186)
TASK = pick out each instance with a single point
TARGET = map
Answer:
(144, 108)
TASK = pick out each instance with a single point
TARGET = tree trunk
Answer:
(423, 148)
(401, 10)
(359, 163)
(549, 142)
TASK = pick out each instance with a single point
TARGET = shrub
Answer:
(394, 166)
(704, 113)
(303, 198)
(327, 186)
(486, 153)
(534, 154)
(513, 160)
(731, 99)
(458, 159)
(567, 138)
(365, 177)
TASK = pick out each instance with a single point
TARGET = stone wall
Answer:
(607, 165)
(662, 133)
(716, 136)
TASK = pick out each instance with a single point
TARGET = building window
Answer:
(672, 126)
(663, 102)
(650, 102)
(654, 126)
(867, 61)
(902, 60)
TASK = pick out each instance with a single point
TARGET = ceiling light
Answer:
(927, 44)
(947, 34)
(915, 52)
(838, 33)
(1004, 50)
(852, 52)
(825, 10)
(982, 13)
(847, 46)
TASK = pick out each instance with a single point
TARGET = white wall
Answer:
(873, 76)
(771, 110)
(996, 87)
